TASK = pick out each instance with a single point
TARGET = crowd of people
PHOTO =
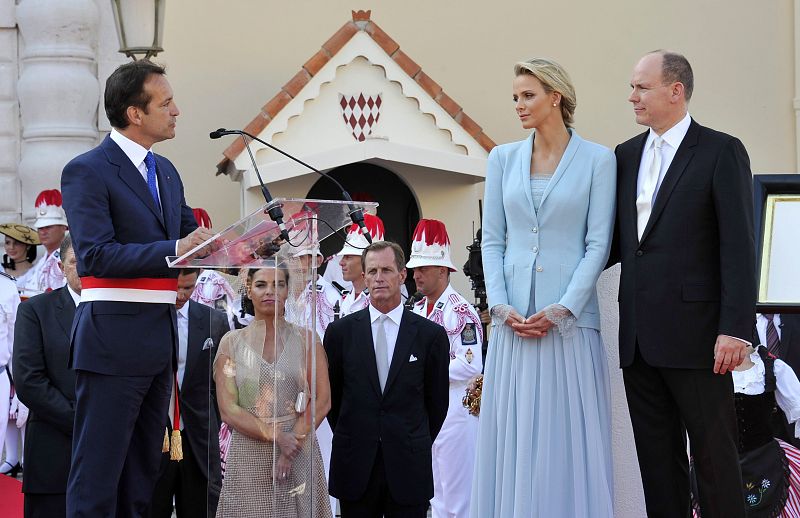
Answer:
(133, 389)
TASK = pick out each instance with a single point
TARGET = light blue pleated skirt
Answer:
(544, 439)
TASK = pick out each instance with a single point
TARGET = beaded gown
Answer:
(270, 392)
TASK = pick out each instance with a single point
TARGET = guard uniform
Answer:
(353, 302)
(454, 448)
(45, 274)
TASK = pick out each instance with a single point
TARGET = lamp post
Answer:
(140, 27)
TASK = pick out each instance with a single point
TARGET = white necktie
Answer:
(644, 202)
(382, 352)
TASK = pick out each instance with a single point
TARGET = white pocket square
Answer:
(208, 344)
(412, 359)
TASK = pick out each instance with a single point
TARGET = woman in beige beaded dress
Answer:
(263, 374)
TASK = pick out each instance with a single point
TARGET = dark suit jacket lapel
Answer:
(65, 311)
(363, 327)
(131, 176)
(630, 184)
(682, 158)
(199, 330)
(402, 348)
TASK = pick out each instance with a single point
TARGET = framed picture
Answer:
(776, 200)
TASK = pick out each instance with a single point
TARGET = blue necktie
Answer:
(150, 164)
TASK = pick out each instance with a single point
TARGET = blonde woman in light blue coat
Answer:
(544, 443)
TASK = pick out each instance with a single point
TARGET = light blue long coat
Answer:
(565, 245)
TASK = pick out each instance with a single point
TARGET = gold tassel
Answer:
(165, 446)
(176, 446)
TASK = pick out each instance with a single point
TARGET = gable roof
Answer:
(360, 23)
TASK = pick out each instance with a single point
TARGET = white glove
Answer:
(22, 414)
(13, 407)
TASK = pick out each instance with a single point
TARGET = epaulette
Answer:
(9, 276)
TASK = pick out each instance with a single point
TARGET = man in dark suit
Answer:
(46, 385)
(194, 481)
(389, 396)
(127, 212)
(684, 235)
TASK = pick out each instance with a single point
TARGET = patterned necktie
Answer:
(644, 202)
(773, 341)
(382, 352)
(150, 164)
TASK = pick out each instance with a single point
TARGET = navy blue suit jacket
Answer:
(117, 232)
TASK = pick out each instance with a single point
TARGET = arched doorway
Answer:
(369, 182)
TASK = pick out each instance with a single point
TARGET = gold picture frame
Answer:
(772, 195)
(779, 280)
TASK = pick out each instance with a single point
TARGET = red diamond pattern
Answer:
(360, 113)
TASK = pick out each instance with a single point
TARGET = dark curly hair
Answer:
(247, 304)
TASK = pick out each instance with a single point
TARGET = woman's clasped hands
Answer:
(535, 326)
(290, 445)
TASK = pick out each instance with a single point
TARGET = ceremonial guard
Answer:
(51, 225)
(326, 294)
(212, 288)
(355, 243)
(454, 448)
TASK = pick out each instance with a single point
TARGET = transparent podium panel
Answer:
(266, 379)
(256, 237)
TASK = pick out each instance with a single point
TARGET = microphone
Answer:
(412, 300)
(356, 215)
(221, 132)
(276, 212)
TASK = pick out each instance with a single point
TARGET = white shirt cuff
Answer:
(740, 339)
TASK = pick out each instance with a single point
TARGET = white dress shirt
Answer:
(183, 346)
(391, 325)
(183, 340)
(76, 297)
(761, 327)
(672, 140)
(136, 154)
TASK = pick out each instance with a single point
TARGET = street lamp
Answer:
(140, 26)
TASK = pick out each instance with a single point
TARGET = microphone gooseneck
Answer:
(356, 214)
(275, 213)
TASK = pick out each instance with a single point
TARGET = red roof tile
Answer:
(360, 22)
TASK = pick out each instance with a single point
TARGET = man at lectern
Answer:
(126, 212)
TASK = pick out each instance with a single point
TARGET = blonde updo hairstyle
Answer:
(554, 78)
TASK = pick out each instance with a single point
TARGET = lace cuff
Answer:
(562, 318)
(500, 313)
